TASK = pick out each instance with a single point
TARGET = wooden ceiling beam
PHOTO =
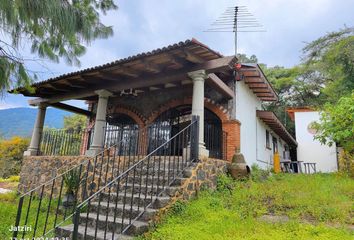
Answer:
(170, 85)
(178, 61)
(268, 99)
(216, 83)
(253, 80)
(257, 85)
(251, 74)
(108, 76)
(74, 85)
(57, 87)
(72, 109)
(127, 71)
(172, 76)
(264, 94)
(219, 64)
(192, 57)
(154, 88)
(261, 90)
(152, 67)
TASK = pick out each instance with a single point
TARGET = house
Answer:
(161, 125)
(310, 149)
(179, 80)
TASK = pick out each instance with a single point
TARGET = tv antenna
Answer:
(237, 20)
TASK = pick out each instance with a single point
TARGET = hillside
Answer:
(284, 206)
(19, 121)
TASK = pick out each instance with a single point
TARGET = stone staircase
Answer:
(141, 194)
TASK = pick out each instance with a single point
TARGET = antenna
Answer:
(236, 19)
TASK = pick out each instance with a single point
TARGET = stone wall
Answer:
(202, 175)
(39, 169)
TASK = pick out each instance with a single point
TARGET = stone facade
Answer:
(36, 170)
(199, 176)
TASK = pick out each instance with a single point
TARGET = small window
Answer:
(275, 145)
(267, 139)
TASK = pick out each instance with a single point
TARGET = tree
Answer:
(331, 57)
(55, 29)
(242, 58)
(336, 124)
(11, 155)
(296, 86)
(75, 122)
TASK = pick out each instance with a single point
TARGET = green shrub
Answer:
(258, 174)
(72, 180)
(225, 183)
(10, 179)
(178, 208)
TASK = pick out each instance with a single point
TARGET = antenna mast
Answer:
(236, 19)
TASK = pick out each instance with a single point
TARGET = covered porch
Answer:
(137, 103)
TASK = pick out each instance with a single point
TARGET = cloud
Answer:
(144, 25)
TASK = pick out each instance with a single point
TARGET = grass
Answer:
(319, 206)
(8, 210)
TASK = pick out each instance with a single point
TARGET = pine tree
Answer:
(55, 29)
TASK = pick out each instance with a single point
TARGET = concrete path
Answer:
(3, 190)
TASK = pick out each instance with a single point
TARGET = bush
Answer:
(258, 174)
(225, 183)
(178, 207)
(10, 179)
(11, 155)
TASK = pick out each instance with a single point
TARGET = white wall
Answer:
(246, 105)
(253, 130)
(310, 150)
(264, 155)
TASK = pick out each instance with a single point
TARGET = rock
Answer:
(238, 168)
(201, 175)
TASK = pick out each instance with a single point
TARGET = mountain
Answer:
(20, 121)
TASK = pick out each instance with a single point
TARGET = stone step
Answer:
(66, 231)
(157, 172)
(118, 210)
(113, 224)
(174, 180)
(151, 189)
(157, 202)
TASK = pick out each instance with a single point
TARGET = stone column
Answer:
(198, 78)
(97, 144)
(33, 148)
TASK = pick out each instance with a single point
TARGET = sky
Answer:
(144, 25)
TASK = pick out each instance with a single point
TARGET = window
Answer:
(267, 139)
(275, 144)
(286, 152)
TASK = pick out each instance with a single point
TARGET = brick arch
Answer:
(217, 109)
(230, 126)
(131, 113)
